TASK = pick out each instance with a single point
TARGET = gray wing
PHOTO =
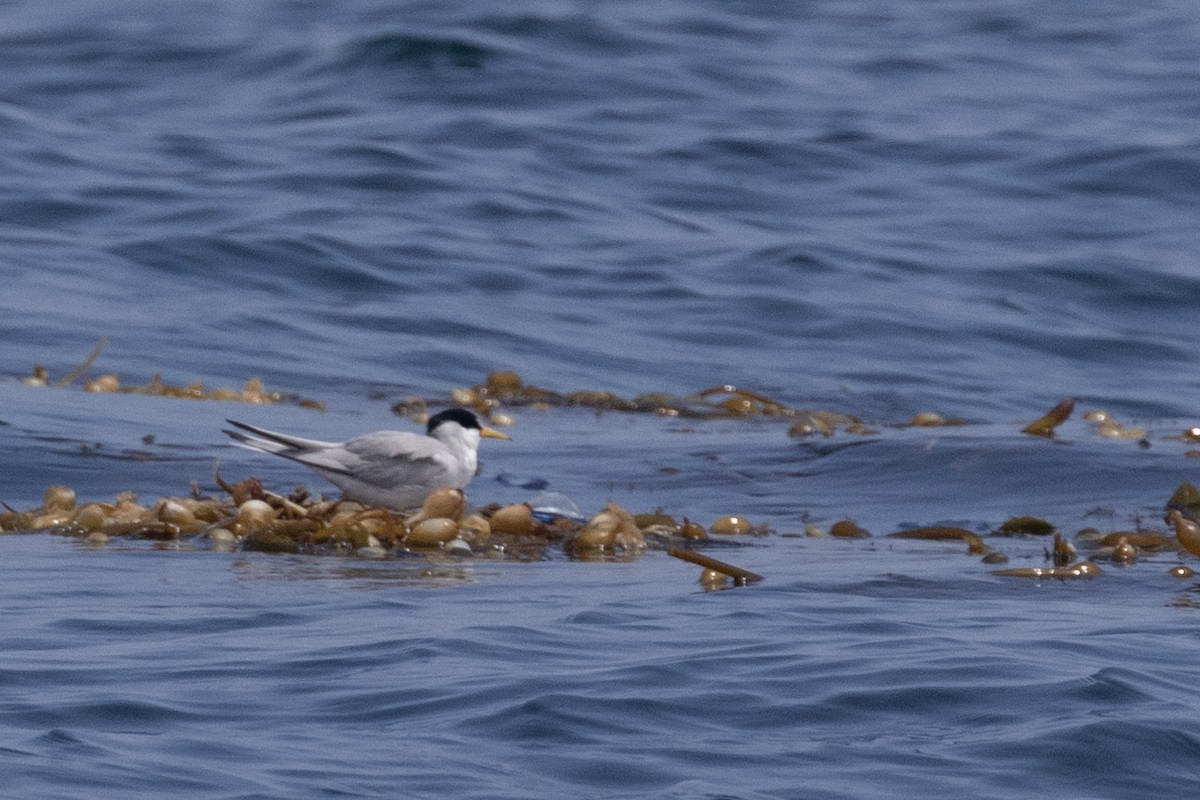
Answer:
(391, 460)
(396, 447)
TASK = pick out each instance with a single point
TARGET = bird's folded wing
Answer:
(385, 446)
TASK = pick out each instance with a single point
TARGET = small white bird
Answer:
(386, 468)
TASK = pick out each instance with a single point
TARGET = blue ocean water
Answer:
(974, 209)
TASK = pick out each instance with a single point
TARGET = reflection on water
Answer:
(372, 576)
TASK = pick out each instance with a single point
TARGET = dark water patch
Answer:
(1170, 173)
(456, 134)
(379, 156)
(49, 213)
(513, 208)
(424, 52)
(895, 67)
(592, 34)
(578, 720)
(206, 152)
(1109, 754)
(59, 738)
(1132, 287)
(271, 266)
(125, 715)
(994, 24)
(102, 628)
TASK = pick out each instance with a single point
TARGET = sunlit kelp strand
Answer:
(253, 391)
(250, 517)
(1084, 569)
(506, 389)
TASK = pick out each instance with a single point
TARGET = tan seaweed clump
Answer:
(731, 525)
(512, 520)
(1187, 532)
(612, 530)
(431, 532)
(169, 518)
(253, 391)
(447, 503)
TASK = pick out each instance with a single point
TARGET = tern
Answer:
(393, 469)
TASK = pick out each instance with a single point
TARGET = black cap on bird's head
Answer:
(464, 418)
(460, 415)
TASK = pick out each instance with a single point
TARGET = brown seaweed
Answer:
(1045, 425)
(739, 575)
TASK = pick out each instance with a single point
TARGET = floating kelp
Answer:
(1191, 435)
(1185, 500)
(249, 517)
(252, 518)
(934, 533)
(931, 419)
(1084, 569)
(975, 545)
(735, 525)
(1104, 424)
(1045, 425)
(740, 576)
(824, 423)
(1025, 526)
(1124, 552)
(848, 529)
(1186, 531)
(1149, 541)
(253, 391)
(506, 388)
(613, 530)
(1062, 552)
